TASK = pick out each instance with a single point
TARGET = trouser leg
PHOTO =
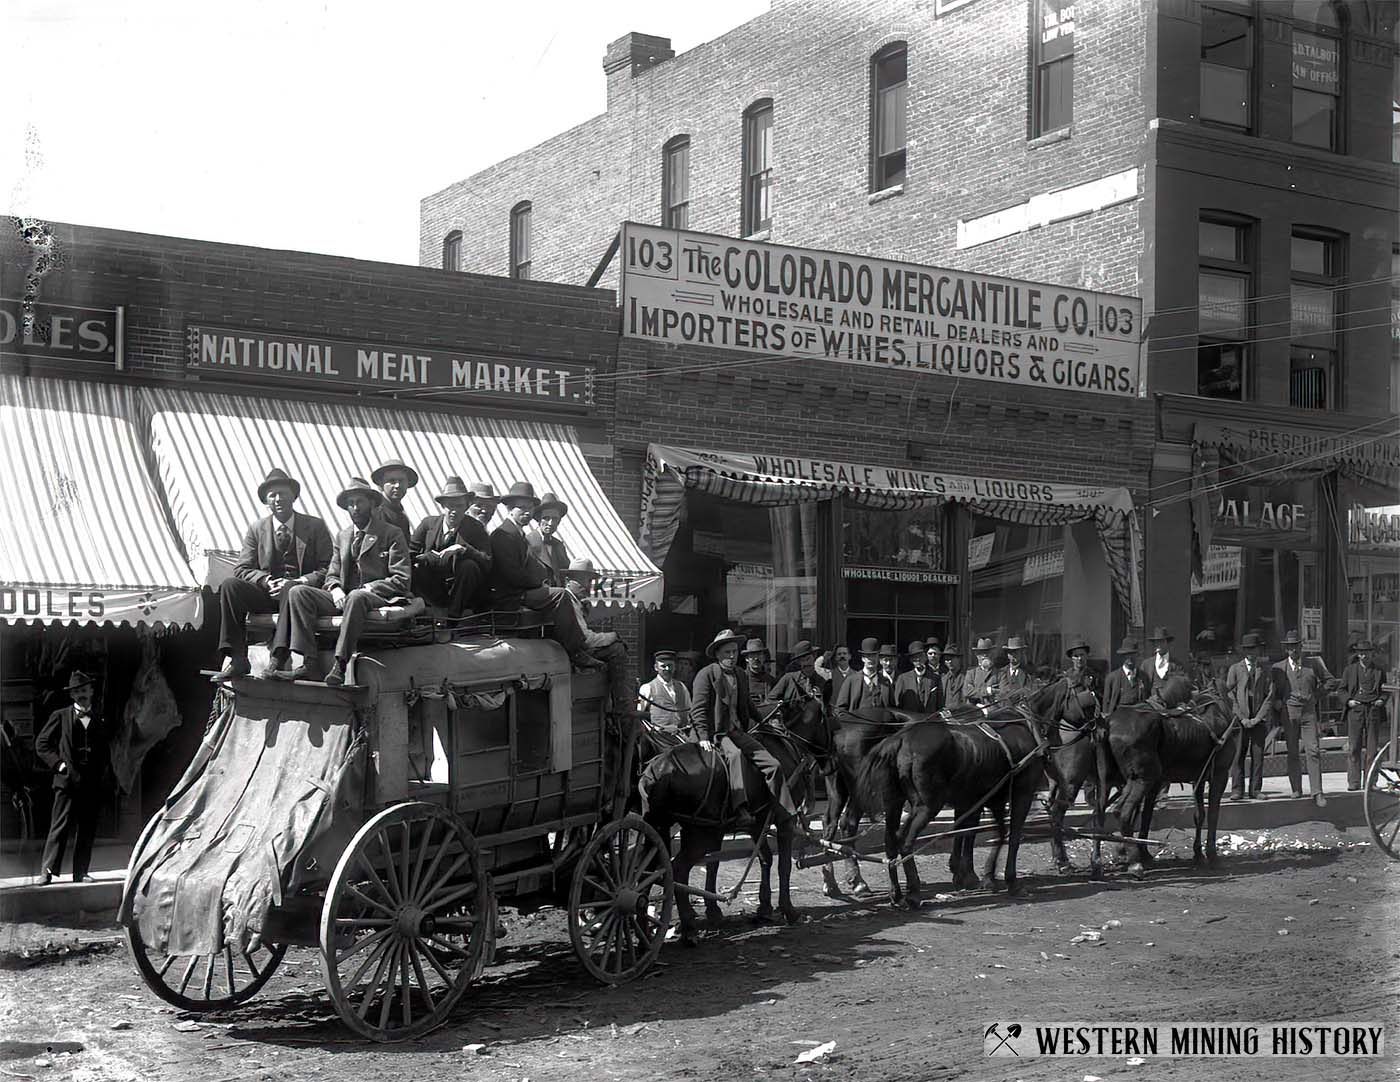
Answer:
(304, 606)
(1255, 740)
(1356, 740)
(556, 605)
(60, 822)
(767, 763)
(237, 599)
(1292, 727)
(87, 804)
(1237, 766)
(358, 604)
(464, 584)
(1311, 740)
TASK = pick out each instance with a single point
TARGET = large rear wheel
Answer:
(1381, 800)
(620, 900)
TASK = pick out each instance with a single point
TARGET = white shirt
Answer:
(1127, 671)
(1163, 663)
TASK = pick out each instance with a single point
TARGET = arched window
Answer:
(520, 240)
(889, 72)
(452, 251)
(675, 183)
(1319, 33)
(757, 212)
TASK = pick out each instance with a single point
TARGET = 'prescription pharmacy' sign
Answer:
(702, 290)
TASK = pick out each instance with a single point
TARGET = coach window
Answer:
(1317, 275)
(889, 101)
(758, 168)
(675, 183)
(1223, 293)
(1052, 66)
(520, 240)
(1317, 75)
(452, 251)
(1227, 64)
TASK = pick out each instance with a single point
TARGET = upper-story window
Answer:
(1395, 330)
(758, 168)
(520, 240)
(1227, 64)
(1223, 292)
(675, 183)
(1317, 74)
(1395, 110)
(1052, 66)
(1317, 272)
(452, 251)
(889, 100)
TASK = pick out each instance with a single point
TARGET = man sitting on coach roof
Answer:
(448, 570)
(545, 542)
(279, 552)
(370, 568)
(394, 479)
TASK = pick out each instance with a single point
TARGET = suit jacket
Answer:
(311, 549)
(1011, 683)
(396, 516)
(1251, 695)
(473, 534)
(552, 552)
(854, 695)
(383, 561)
(1085, 679)
(55, 744)
(1120, 689)
(953, 696)
(1148, 669)
(979, 686)
(920, 694)
(428, 541)
(1299, 688)
(794, 687)
(514, 568)
(833, 686)
(715, 707)
(1363, 682)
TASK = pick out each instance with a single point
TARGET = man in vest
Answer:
(545, 542)
(1365, 712)
(919, 690)
(1250, 691)
(952, 680)
(980, 683)
(448, 570)
(394, 480)
(754, 657)
(867, 689)
(1015, 681)
(664, 701)
(1299, 685)
(1125, 685)
(799, 686)
(74, 744)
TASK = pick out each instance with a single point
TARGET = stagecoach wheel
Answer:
(204, 982)
(404, 927)
(1381, 800)
(620, 900)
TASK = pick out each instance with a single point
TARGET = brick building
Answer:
(1101, 144)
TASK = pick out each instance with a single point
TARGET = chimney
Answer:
(630, 54)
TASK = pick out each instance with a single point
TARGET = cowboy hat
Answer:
(581, 567)
(1291, 639)
(482, 492)
(78, 679)
(952, 650)
(1161, 634)
(277, 476)
(800, 649)
(663, 655)
(724, 637)
(984, 646)
(1128, 646)
(452, 489)
(1078, 643)
(358, 486)
(522, 492)
(394, 464)
(1250, 640)
(550, 502)
(753, 646)
(870, 645)
(1016, 643)
(916, 648)
(888, 649)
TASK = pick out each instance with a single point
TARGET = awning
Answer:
(84, 538)
(212, 450)
(1368, 449)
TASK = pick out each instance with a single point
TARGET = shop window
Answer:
(452, 251)
(1052, 66)
(1395, 110)
(1372, 525)
(675, 183)
(1395, 331)
(520, 217)
(889, 100)
(1227, 67)
(894, 566)
(1223, 292)
(757, 214)
(1317, 75)
(1316, 275)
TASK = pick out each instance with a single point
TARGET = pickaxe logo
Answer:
(1003, 1041)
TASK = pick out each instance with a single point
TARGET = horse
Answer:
(1076, 766)
(1186, 736)
(687, 786)
(997, 763)
(856, 735)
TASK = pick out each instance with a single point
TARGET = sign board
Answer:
(1311, 631)
(917, 575)
(386, 366)
(1042, 566)
(1222, 570)
(1373, 528)
(1374, 445)
(58, 332)
(979, 551)
(1315, 62)
(697, 289)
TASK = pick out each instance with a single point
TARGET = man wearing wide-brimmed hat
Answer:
(394, 479)
(1078, 675)
(980, 682)
(867, 689)
(448, 570)
(952, 679)
(370, 568)
(74, 744)
(1365, 710)
(1161, 665)
(919, 690)
(283, 550)
(800, 684)
(1299, 683)
(754, 657)
(1015, 680)
(1125, 685)
(545, 543)
(1250, 691)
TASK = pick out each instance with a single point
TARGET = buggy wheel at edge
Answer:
(406, 922)
(1380, 797)
(204, 982)
(620, 900)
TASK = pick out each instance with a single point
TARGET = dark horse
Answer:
(1189, 739)
(687, 786)
(1075, 763)
(998, 764)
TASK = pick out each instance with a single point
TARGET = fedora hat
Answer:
(394, 464)
(888, 649)
(933, 644)
(1016, 643)
(78, 679)
(984, 646)
(452, 489)
(916, 648)
(753, 646)
(582, 567)
(1161, 634)
(1250, 639)
(800, 649)
(870, 645)
(277, 476)
(1291, 639)
(1128, 646)
(1363, 645)
(664, 655)
(952, 650)
(550, 502)
(1078, 643)
(522, 492)
(724, 637)
(482, 492)
(358, 486)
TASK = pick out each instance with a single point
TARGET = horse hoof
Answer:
(792, 916)
(1137, 870)
(859, 889)
(831, 890)
(763, 915)
(690, 939)
(1014, 890)
(1096, 872)
(990, 883)
(1065, 867)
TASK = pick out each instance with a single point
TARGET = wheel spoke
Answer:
(389, 877)
(1389, 843)
(432, 958)
(363, 922)
(411, 887)
(603, 940)
(189, 972)
(443, 902)
(443, 945)
(354, 889)
(420, 887)
(209, 978)
(645, 940)
(647, 882)
(406, 983)
(384, 960)
(413, 952)
(361, 943)
(426, 896)
(169, 961)
(377, 879)
(228, 968)
(405, 865)
(604, 892)
(251, 966)
(629, 949)
(386, 997)
(369, 959)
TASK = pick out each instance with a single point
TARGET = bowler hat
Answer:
(452, 489)
(1250, 639)
(800, 649)
(482, 492)
(724, 637)
(1161, 634)
(1016, 643)
(664, 655)
(1291, 639)
(78, 679)
(522, 492)
(916, 648)
(358, 486)
(394, 464)
(933, 644)
(870, 645)
(952, 650)
(550, 502)
(277, 476)
(888, 649)
(1078, 643)
(581, 567)
(1128, 646)
(1364, 644)
(984, 646)
(753, 646)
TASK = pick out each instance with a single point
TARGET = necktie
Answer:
(352, 572)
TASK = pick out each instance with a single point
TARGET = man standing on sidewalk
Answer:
(1251, 694)
(1361, 683)
(73, 744)
(1298, 685)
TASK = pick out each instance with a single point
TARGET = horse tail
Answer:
(877, 780)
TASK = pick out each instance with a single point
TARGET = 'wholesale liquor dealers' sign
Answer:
(703, 290)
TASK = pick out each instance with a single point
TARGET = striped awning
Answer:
(84, 538)
(212, 451)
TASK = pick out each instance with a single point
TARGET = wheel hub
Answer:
(412, 921)
(626, 899)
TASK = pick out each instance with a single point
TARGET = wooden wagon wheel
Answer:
(204, 982)
(620, 900)
(1380, 797)
(404, 927)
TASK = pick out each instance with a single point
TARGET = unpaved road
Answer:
(903, 995)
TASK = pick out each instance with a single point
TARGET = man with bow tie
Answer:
(448, 570)
(919, 690)
(1250, 690)
(280, 551)
(74, 745)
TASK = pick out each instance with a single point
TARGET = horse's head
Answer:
(809, 725)
(1176, 690)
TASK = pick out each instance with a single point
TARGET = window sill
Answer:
(884, 193)
(761, 235)
(1060, 135)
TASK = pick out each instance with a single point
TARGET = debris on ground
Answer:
(813, 1054)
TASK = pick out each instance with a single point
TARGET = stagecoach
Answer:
(1380, 795)
(382, 823)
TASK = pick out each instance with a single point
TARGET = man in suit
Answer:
(952, 680)
(919, 690)
(754, 657)
(519, 579)
(802, 684)
(837, 665)
(1079, 676)
(545, 542)
(475, 529)
(1298, 685)
(1365, 711)
(720, 710)
(74, 745)
(394, 480)
(867, 688)
(933, 658)
(281, 551)
(1162, 665)
(1125, 685)
(448, 570)
(1249, 688)
(370, 568)
(1015, 681)
(980, 683)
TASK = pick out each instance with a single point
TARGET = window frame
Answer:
(521, 221)
(1340, 35)
(1334, 275)
(1036, 126)
(1244, 268)
(670, 209)
(879, 179)
(757, 184)
(1249, 13)
(452, 243)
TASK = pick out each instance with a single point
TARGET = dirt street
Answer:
(1303, 927)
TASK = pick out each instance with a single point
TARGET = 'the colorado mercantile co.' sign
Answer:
(705, 290)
